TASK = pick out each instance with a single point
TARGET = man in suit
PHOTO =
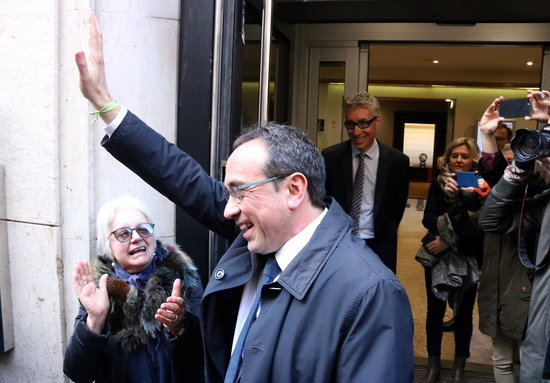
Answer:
(377, 203)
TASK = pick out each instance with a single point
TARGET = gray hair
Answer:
(363, 99)
(106, 215)
(289, 151)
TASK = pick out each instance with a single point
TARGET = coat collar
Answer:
(236, 266)
(306, 266)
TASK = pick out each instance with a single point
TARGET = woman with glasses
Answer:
(138, 306)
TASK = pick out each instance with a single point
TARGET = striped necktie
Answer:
(358, 192)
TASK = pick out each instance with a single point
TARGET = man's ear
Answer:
(297, 190)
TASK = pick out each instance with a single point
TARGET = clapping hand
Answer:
(94, 299)
(172, 312)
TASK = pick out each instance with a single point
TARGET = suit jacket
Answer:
(390, 195)
(335, 314)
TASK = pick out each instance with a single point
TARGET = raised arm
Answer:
(91, 67)
(158, 162)
(488, 125)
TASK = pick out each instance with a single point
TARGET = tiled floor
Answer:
(411, 275)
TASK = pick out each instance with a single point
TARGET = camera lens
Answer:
(529, 144)
(526, 145)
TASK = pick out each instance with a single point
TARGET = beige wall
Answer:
(56, 174)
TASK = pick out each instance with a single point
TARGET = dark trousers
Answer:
(463, 320)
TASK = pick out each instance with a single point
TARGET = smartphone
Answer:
(467, 179)
(515, 107)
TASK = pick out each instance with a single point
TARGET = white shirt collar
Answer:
(288, 252)
(372, 152)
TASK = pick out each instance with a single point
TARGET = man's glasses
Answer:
(363, 124)
(236, 192)
(124, 234)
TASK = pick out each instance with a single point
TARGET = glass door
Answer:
(333, 75)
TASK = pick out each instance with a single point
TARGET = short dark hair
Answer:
(289, 151)
(509, 132)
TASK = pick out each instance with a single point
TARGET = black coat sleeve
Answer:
(172, 172)
(402, 178)
(433, 208)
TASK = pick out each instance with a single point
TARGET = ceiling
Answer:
(459, 64)
(449, 11)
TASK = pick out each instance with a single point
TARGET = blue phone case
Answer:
(467, 179)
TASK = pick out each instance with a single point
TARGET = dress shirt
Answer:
(366, 224)
(283, 256)
(110, 129)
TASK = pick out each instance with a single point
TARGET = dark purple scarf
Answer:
(139, 280)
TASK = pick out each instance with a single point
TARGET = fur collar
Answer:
(132, 313)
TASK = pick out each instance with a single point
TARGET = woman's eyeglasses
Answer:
(124, 234)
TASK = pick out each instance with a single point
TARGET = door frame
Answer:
(439, 119)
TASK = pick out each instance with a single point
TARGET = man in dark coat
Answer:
(385, 186)
(334, 313)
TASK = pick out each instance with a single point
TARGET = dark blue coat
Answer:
(339, 316)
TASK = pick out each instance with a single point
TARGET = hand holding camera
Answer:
(529, 145)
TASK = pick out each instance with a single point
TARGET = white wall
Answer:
(56, 174)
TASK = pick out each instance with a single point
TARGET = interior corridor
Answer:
(411, 275)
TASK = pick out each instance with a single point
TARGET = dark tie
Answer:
(358, 192)
(271, 270)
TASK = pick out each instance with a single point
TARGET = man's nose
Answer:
(231, 209)
(357, 130)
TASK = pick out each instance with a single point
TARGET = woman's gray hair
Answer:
(290, 151)
(106, 215)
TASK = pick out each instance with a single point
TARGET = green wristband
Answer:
(106, 108)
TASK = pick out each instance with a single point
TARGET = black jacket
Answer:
(390, 195)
